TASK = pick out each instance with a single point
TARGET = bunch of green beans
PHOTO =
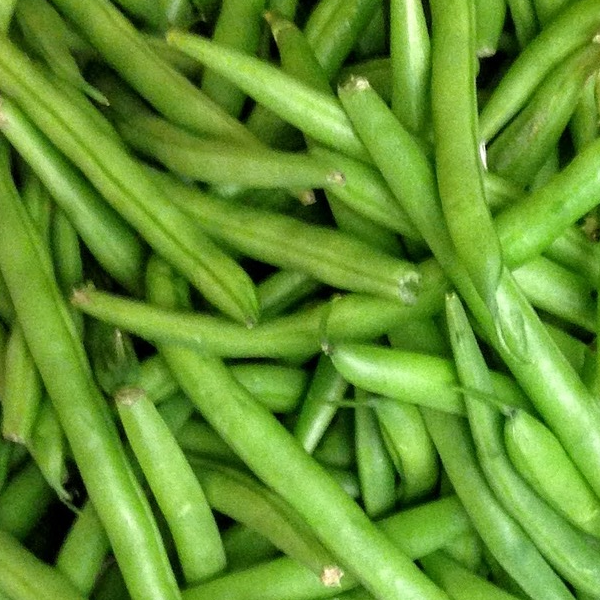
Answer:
(298, 299)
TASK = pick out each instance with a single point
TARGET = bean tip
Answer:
(128, 396)
(331, 576)
(336, 178)
(355, 83)
(307, 197)
(409, 287)
(81, 294)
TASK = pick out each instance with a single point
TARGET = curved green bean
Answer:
(574, 27)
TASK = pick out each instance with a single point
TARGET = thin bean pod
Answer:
(25, 577)
(584, 122)
(376, 473)
(524, 19)
(245, 547)
(337, 447)
(199, 438)
(111, 241)
(282, 290)
(84, 550)
(532, 448)
(574, 27)
(419, 335)
(410, 54)
(178, 494)
(489, 21)
(546, 10)
(61, 360)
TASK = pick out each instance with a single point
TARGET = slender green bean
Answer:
(238, 26)
(584, 122)
(314, 112)
(178, 494)
(24, 501)
(123, 184)
(410, 53)
(7, 10)
(43, 29)
(298, 479)
(542, 462)
(524, 19)
(319, 405)
(84, 550)
(419, 335)
(414, 378)
(196, 437)
(245, 547)
(373, 39)
(109, 238)
(59, 354)
(25, 577)
(457, 152)
(376, 474)
(460, 583)
(546, 10)
(337, 447)
(489, 21)
(7, 310)
(282, 290)
(574, 27)
(168, 91)
(524, 145)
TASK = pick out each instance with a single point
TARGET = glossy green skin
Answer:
(25, 577)
(256, 435)
(60, 357)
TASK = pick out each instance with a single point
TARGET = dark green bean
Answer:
(84, 550)
(7, 310)
(376, 473)
(574, 27)
(245, 547)
(584, 122)
(25, 577)
(414, 378)
(419, 335)
(112, 170)
(546, 10)
(410, 53)
(373, 39)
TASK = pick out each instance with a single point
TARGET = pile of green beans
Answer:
(299, 299)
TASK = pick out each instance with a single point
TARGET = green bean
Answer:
(111, 585)
(316, 114)
(546, 10)
(282, 290)
(89, 429)
(574, 27)
(574, 250)
(7, 10)
(178, 60)
(47, 447)
(460, 583)
(22, 390)
(7, 310)
(109, 239)
(563, 546)
(25, 577)
(346, 479)
(196, 437)
(242, 498)
(322, 13)
(319, 405)
(147, 11)
(317, 498)
(576, 351)
(573, 298)
(524, 19)
(108, 165)
(84, 550)
(489, 21)
(410, 53)
(418, 531)
(24, 501)
(173, 484)
(532, 448)
(366, 192)
(414, 378)
(419, 335)
(376, 473)
(568, 196)
(521, 149)
(333, 39)
(499, 191)
(238, 26)
(218, 162)
(467, 549)
(410, 448)
(313, 249)
(458, 163)
(337, 447)
(373, 40)
(245, 547)
(584, 121)
(159, 83)
(43, 28)
(176, 411)
(507, 542)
